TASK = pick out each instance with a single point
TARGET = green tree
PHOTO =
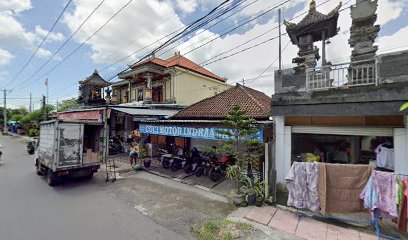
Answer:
(37, 115)
(242, 141)
(17, 114)
(404, 106)
(66, 105)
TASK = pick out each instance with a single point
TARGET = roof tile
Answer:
(178, 60)
(255, 103)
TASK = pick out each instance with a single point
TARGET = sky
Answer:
(142, 25)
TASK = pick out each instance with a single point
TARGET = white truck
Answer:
(69, 148)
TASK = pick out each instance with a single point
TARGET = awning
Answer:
(90, 115)
(147, 112)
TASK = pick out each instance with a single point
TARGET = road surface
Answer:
(30, 209)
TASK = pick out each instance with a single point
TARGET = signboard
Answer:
(94, 115)
(209, 133)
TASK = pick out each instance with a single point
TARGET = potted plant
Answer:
(234, 172)
(251, 194)
(259, 187)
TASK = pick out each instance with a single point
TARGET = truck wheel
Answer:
(38, 168)
(51, 180)
(89, 177)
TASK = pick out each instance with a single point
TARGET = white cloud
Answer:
(187, 6)
(389, 10)
(141, 23)
(5, 57)
(15, 37)
(15, 5)
(43, 53)
(53, 37)
(140, 28)
(395, 42)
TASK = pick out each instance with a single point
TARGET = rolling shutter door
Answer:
(350, 131)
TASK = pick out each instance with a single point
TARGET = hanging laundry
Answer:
(385, 156)
(340, 186)
(301, 182)
(379, 193)
(402, 197)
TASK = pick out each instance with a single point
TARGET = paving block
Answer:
(332, 232)
(348, 233)
(309, 228)
(240, 212)
(284, 221)
(261, 214)
(366, 236)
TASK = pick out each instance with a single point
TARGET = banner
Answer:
(209, 133)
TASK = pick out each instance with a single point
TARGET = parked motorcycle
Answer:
(31, 147)
(179, 162)
(193, 162)
(165, 158)
(1, 153)
(168, 159)
(219, 168)
(202, 164)
(115, 146)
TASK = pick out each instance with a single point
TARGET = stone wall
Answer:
(393, 67)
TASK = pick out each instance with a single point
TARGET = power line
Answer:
(191, 24)
(262, 14)
(41, 43)
(66, 41)
(133, 53)
(82, 44)
(177, 36)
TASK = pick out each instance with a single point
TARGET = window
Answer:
(157, 94)
(140, 94)
(134, 96)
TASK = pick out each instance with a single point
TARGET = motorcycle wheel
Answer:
(215, 175)
(188, 168)
(206, 171)
(198, 172)
(175, 167)
(166, 163)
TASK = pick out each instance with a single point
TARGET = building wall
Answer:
(286, 125)
(191, 88)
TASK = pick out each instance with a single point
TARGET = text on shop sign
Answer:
(190, 132)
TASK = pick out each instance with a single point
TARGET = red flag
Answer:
(46, 82)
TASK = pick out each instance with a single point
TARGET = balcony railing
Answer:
(342, 75)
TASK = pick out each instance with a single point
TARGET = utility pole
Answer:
(280, 40)
(57, 105)
(44, 108)
(30, 107)
(5, 108)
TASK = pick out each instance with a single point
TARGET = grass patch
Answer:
(221, 230)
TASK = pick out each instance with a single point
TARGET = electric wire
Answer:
(66, 41)
(41, 43)
(81, 45)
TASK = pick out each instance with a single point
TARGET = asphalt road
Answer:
(30, 209)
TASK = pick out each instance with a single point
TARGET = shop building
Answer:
(197, 125)
(341, 113)
(174, 80)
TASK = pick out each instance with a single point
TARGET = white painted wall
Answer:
(283, 146)
(401, 150)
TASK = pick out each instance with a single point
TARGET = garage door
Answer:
(350, 131)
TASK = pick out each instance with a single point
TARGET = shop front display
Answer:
(376, 151)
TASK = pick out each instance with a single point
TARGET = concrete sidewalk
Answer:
(304, 227)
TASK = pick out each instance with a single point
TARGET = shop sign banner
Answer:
(209, 133)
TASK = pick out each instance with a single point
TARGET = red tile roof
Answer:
(256, 104)
(182, 62)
